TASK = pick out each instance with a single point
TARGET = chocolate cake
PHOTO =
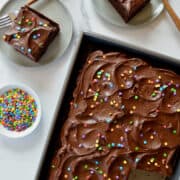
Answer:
(125, 115)
(128, 8)
(31, 33)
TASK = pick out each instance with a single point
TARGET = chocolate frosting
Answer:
(31, 33)
(128, 8)
(125, 115)
(130, 4)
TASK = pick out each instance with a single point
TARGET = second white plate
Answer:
(108, 12)
(53, 9)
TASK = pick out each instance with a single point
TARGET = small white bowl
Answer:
(29, 130)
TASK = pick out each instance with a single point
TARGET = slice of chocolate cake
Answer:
(125, 115)
(128, 8)
(31, 33)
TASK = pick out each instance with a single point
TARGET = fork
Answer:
(29, 2)
(7, 19)
(172, 13)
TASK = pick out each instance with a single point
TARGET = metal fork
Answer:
(7, 19)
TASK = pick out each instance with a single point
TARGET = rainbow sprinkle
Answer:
(18, 110)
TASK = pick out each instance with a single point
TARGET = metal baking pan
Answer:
(88, 43)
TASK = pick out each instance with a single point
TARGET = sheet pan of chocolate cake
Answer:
(119, 118)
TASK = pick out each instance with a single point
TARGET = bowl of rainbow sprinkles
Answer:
(20, 111)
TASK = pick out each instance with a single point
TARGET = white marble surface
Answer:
(160, 35)
(19, 159)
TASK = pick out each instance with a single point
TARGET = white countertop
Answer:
(19, 159)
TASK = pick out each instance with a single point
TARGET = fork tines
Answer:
(5, 21)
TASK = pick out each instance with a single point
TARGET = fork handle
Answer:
(29, 2)
(172, 13)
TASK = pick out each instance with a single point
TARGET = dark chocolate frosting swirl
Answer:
(31, 33)
(125, 115)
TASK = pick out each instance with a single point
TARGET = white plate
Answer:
(52, 9)
(147, 14)
(14, 134)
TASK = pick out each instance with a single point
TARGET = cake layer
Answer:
(128, 8)
(31, 33)
(125, 115)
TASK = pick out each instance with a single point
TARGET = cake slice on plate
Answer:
(128, 8)
(31, 33)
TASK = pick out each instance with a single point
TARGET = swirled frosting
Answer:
(31, 33)
(125, 114)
